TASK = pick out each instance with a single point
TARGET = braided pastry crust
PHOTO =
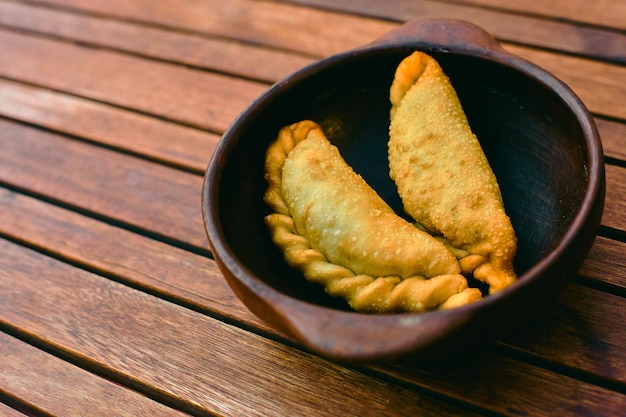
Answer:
(333, 227)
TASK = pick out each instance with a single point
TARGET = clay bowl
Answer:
(539, 138)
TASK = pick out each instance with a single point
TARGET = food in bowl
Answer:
(333, 227)
(443, 176)
(539, 138)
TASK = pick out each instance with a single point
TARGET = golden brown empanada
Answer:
(334, 228)
(442, 174)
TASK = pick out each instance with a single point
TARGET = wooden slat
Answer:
(606, 260)
(610, 13)
(615, 204)
(212, 53)
(187, 357)
(299, 27)
(279, 25)
(120, 187)
(156, 267)
(152, 137)
(7, 411)
(613, 137)
(583, 330)
(504, 384)
(592, 42)
(194, 280)
(136, 133)
(127, 319)
(140, 192)
(175, 92)
(601, 86)
(43, 382)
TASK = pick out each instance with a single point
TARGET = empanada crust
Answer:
(442, 174)
(334, 228)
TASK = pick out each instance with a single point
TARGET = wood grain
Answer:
(7, 411)
(273, 24)
(171, 91)
(570, 333)
(45, 383)
(121, 129)
(600, 85)
(109, 112)
(504, 378)
(119, 187)
(195, 281)
(155, 267)
(133, 191)
(606, 259)
(514, 28)
(216, 54)
(615, 204)
(613, 136)
(609, 13)
(184, 356)
(344, 31)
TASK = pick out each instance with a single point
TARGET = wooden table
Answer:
(110, 303)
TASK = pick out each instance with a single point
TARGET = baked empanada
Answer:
(334, 228)
(442, 174)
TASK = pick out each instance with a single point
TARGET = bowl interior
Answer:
(532, 141)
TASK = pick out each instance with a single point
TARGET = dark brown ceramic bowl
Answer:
(539, 138)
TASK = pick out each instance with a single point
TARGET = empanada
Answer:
(442, 174)
(333, 227)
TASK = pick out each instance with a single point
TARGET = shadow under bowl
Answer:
(539, 138)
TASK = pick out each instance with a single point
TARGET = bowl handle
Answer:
(441, 35)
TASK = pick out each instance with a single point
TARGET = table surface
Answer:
(110, 302)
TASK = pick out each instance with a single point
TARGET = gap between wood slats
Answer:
(151, 138)
(539, 32)
(156, 139)
(8, 411)
(136, 260)
(431, 374)
(119, 188)
(286, 27)
(600, 13)
(195, 282)
(581, 79)
(155, 346)
(140, 193)
(171, 92)
(585, 81)
(198, 250)
(39, 383)
(254, 62)
(611, 233)
(193, 97)
(552, 35)
(202, 249)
